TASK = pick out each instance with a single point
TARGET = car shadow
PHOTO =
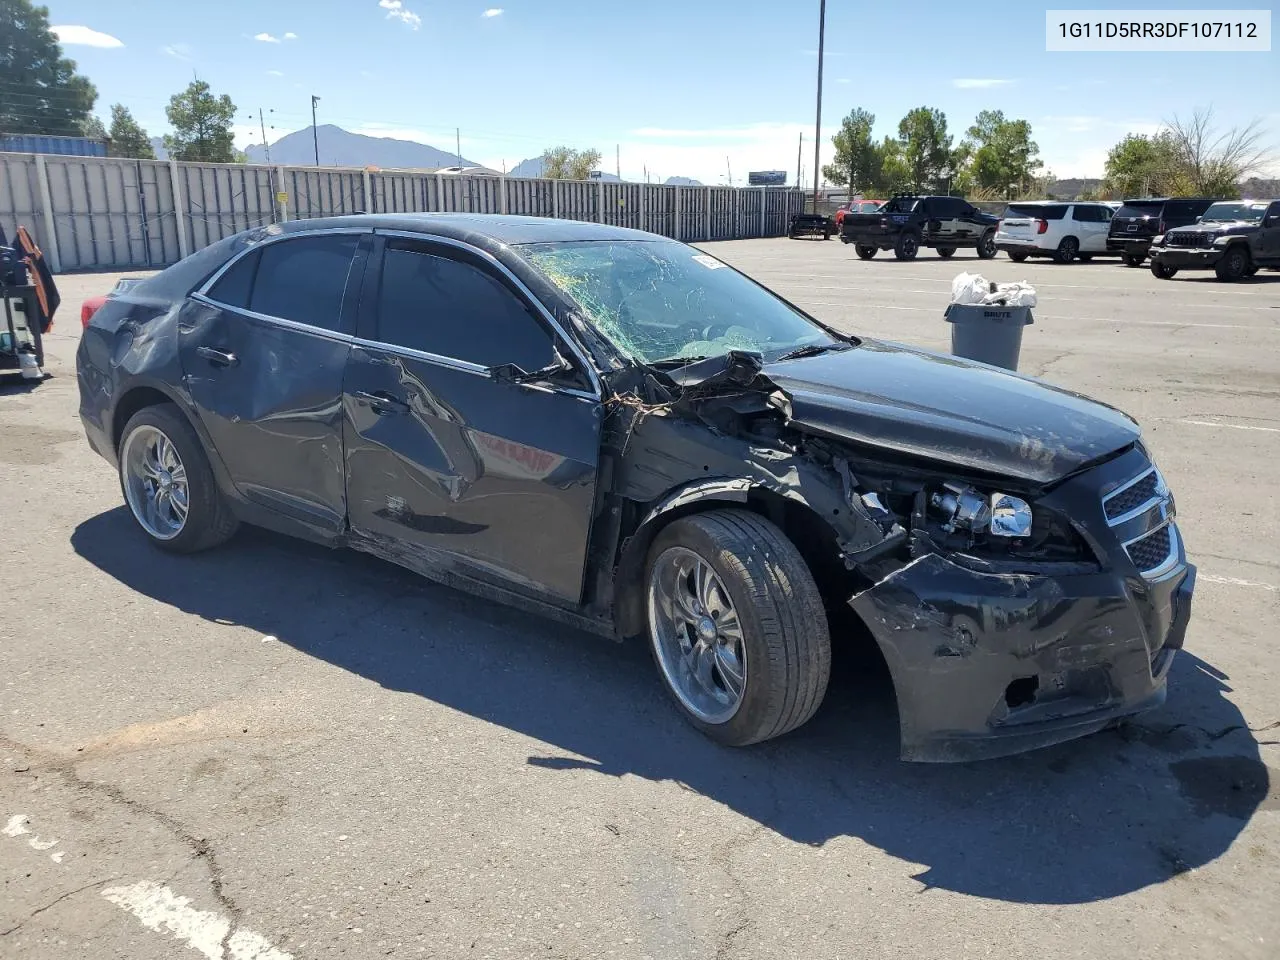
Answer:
(1079, 822)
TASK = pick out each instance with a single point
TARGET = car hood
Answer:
(946, 409)
(1230, 226)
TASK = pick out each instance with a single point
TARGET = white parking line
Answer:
(1246, 308)
(1238, 582)
(160, 909)
(1232, 426)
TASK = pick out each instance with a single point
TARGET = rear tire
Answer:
(1234, 264)
(946, 252)
(152, 495)
(759, 582)
(907, 247)
(865, 252)
(1067, 250)
(1017, 256)
(1134, 259)
(1162, 271)
(987, 245)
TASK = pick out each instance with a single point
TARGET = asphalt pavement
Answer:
(275, 750)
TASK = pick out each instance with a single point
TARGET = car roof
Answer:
(480, 229)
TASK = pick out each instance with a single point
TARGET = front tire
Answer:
(907, 246)
(987, 245)
(736, 626)
(946, 252)
(1134, 259)
(168, 483)
(865, 252)
(1018, 256)
(1067, 250)
(1163, 271)
(1234, 264)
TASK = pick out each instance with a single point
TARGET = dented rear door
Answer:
(263, 352)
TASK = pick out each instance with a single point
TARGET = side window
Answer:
(1083, 213)
(943, 207)
(304, 279)
(456, 310)
(233, 286)
(1273, 213)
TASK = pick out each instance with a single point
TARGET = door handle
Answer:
(382, 403)
(221, 358)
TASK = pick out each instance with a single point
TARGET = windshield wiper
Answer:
(673, 363)
(812, 350)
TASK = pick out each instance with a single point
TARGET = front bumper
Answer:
(1138, 246)
(1187, 258)
(986, 664)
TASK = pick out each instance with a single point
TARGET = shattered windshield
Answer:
(660, 300)
(1231, 212)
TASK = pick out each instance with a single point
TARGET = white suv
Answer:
(1064, 231)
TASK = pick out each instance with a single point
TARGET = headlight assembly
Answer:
(1010, 517)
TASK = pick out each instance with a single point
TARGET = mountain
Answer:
(682, 182)
(341, 148)
(533, 168)
(1072, 188)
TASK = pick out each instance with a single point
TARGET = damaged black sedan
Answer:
(623, 432)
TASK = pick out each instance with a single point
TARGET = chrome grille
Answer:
(1189, 239)
(1149, 552)
(1140, 493)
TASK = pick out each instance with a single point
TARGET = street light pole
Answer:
(817, 126)
(315, 137)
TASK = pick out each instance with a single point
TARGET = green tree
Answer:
(91, 126)
(40, 91)
(1141, 166)
(566, 163)
(999, 154)
(201, 125)
(926, 147)
(895, 172)
(858, 159)
(128, 139)
(1210, 163)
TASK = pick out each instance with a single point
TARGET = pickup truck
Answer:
(1234, 238)
(908, 222)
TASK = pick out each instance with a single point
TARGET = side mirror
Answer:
(514, 373)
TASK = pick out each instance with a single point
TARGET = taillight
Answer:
(87, 311)
(1042, 226)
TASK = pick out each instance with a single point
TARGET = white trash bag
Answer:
(972, 288)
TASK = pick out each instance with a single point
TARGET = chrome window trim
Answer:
(573, 345)
(409, 353)
(283, 322)
(204, 288)
(1161, 495)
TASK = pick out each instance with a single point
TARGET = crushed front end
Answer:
(999, 647)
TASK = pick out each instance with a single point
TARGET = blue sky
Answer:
(679, 86)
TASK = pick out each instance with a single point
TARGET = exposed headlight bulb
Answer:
(960, 507)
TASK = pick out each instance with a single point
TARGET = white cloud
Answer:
(979, 83)
(291, 36)
(82, 36)
(179, 51)
(843, 80)
(275, 73)
(492, 12)
(266, 38)
(396, 10)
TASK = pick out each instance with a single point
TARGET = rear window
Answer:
(186, 275)
(1137, 210)
(900, 205)
(1036, 211)
(868, 206)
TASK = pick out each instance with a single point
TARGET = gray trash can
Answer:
(988, 334)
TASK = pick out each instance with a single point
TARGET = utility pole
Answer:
(262, 123)
(458, 132)
(729, 170)
(617, 155)
(315, 137)
(817, 126)
(799, 154)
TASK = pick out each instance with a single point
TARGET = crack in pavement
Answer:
(201, 847)
(53, 903)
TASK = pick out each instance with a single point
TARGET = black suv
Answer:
(908, 222)
(1138, 222)
(1233, 238)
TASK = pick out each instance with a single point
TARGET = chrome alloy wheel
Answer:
(696, 635)
(155, 482)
